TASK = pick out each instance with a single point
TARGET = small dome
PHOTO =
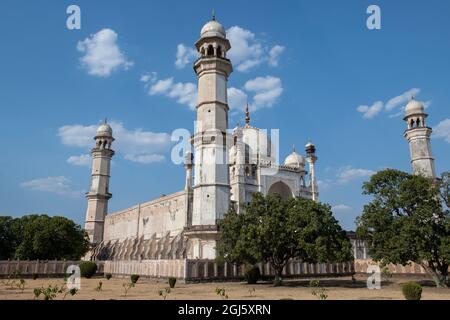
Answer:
(414, 107)
(213, 29)
(104, 130)
(295, 160)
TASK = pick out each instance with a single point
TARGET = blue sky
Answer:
(317, 61)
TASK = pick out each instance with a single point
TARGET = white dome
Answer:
(104, 130)
(295, 160)
(414, 107)
(213, 29)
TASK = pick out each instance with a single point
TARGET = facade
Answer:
(224, 170)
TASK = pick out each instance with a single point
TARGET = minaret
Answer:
(311, 158)
(418, 136)
(211, 181)
(98, 195)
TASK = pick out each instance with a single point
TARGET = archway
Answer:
(282, 189)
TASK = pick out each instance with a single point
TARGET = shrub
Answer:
(134, 278)
(108, 276)
(34, 276)
(252, 274)
(412, 291)
(88, 269)
(172, 281)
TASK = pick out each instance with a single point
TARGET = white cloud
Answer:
(59, 185)
(442, 130)
(247, 51)
(135, 144)
(83, 160)
(102, 54)
(274, 55)
(145, 158)
(370, 111)
(341, 208)
(148, 77)
(77, 135)
(267, 90)
(237, 99)
(184, 93)
(401, 99)
(347, 174)
(184, 56)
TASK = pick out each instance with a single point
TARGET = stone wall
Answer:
(156, 217)
(362, 265)
(42, 268)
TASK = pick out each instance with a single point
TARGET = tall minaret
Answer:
(99, 195)
(418, 136)
(311, 158)
(211, 181)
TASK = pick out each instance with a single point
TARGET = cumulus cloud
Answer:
(183, 93)
(83, 160)
(267, 90)
(370, 111)
(341, 208)
(59, 185)
(184, 56)
(442, 130)
(347, 174)
(402, 99)
(237, 99)
(145, 158)
(102, 55)
(135, 145)
(274, 55)
(248, 52)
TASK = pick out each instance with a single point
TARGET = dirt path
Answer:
(145, 289)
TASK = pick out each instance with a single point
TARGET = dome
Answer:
(104, 130)
(414, 107)
(213, 29)
(295, 160)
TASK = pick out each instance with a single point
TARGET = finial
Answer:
(247, 114)
(214, 15)
(293, 148)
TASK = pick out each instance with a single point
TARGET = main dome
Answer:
(295, 160)
(213, 29)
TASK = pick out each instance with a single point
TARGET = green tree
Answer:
(41, 237)
(407, 221)
(275, 231)
(7, 238)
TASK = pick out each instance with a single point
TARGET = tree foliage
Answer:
(41, 237)
(407, 221)
(275, 231)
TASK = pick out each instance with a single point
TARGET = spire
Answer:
(214, 15)
(247, 115)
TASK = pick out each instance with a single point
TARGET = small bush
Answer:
(34, 276)
(134, 278)
(252, 274)
(412, 291)
(172, 282)
(108, 276)
(88, 269)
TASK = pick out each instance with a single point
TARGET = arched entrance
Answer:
(282, 189)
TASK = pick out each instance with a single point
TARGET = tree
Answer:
(408, 221)
(7, 238)
(275, 231)
(42, 237)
